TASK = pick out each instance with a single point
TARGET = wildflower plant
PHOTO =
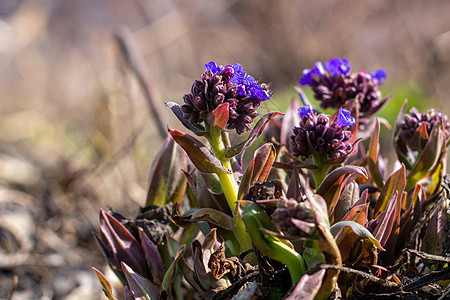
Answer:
(313, 214)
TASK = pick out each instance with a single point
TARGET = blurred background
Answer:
(76, 131)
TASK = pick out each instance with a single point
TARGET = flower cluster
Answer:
(290, 209)
(317, 135)
(230, 84)
(412, 121)
(334, 84)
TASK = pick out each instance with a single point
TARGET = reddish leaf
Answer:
(358, 214)
(384, 227)
(373, 158)
(436, 234)
(140, 287)
(254, 134)
(123, 246)
(295, 185)
(348, 197)
(358, 229)
(219, 117)
(167, 183)
(308, 286)
(391, 243)
(291, 119)
(332, 186)
(153, 258)
(395, 184)
(258, 169)
(429, 161)
(202, 158)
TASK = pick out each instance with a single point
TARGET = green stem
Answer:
(228, 184)
(319, 174)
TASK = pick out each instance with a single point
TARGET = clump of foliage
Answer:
(316, 214)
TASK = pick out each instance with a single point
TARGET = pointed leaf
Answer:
(171, 272)
(295, 190)
(373, 158)
(290, 120)
(348, 197)
(430, 158)
(332, 185)
(391, 244)
(254, 134)
(308, 286)
(106, 286)
(384, 227)
(198, 128)
(140, 287)
(219, 116)
(167, 183)
(258, 169)
(124, 247)
(214, 217)
(395, 184)
(360, 230)
(358, 214)
(153, 258)
(202, 158)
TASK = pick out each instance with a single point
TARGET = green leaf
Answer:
(171, 272)
(258, 169)
(202, 158)
(106, 286)
(167, 183)
(255, 219)
(254, 134)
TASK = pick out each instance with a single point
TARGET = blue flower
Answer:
(378, 75)
(305, 111)
(338, 66)
(308, 78)
(214, 67)
(344, 119)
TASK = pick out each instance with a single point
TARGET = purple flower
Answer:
(305, 111)
(379, 76)
(411, 122)
(338, 66)
(335, 85)
(308, 78)
(316, 135)
(213, 67)
(344, 119)
(219, 85)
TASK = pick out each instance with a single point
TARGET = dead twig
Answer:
(130, 51)
(428, 256)
(383, 282)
